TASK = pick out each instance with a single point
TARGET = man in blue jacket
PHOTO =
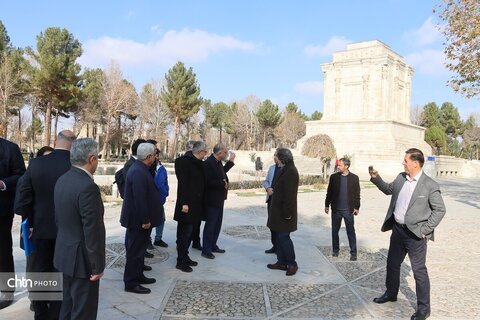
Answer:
(161, 181)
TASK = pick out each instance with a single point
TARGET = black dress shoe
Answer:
(353, 258)
(5, 303)
(208, 255)
(218, 250)
(146, 280)
(160, 243)
(277, 266)
(6, 299)
(197, 246)
(420, 316)
(271, 250)
(147, 268)
(291, 270)
(334, 254)
(384, 298)
(148, 254)
(184, 267)
(192, 263)
(138, 289)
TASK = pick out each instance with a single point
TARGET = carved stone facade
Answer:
(367, 91)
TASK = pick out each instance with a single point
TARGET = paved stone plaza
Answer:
(237, 284)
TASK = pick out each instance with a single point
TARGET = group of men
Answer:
(201, 192)
(64, 207)
(65, 210)
(416, 209)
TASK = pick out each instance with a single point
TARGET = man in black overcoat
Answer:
(37, 193)
(189, 207)
(12, 168)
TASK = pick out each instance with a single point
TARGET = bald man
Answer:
(37, 195)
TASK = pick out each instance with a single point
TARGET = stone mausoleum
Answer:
(366, 109)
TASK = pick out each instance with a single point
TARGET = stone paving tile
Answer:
(456, 302)
(283, 296)
(116, 247)
(402, 309)
(216, 299)
(338, 304)
(363, 254)
(376, 280)
(249, 232)
(352, 270)
(115, 256)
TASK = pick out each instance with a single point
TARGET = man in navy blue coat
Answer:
(217, 188)
(139, 214)
(11, 168)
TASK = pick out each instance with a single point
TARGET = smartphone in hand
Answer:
(370, 168)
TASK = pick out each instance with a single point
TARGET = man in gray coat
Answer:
(80, 245)
(416, 208)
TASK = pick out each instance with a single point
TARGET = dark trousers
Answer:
(337, 217)
(6, 245)
(43, 262)
(80, 298)
(211, 230)
(137, 242)
(403, 242)
(195, 237)
(284, 249)
(184, 237)
(272, 233)
(160, 227)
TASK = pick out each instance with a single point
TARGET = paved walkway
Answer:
(237, 284)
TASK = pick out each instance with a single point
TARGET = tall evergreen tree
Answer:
(450, 119)
(182, 96)
(14, 81)
(56, 78)
(431, 115)
(217, 116)
(316, 115)
(269, 117)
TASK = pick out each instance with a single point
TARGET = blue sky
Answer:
(272, 49)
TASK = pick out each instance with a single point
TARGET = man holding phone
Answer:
(343, 194)
(416, 208)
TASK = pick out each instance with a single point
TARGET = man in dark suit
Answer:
(343, 194)
(139, 214)
(190, 201)
(12, 168)
(416, 208)
(37, 193)
(80, 245)
(215, 196)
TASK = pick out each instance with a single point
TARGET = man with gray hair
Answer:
(190, 201)
(80, 228)
(217, 189)
(139, 215)
(37, 197)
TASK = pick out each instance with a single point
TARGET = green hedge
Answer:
(256, 184)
